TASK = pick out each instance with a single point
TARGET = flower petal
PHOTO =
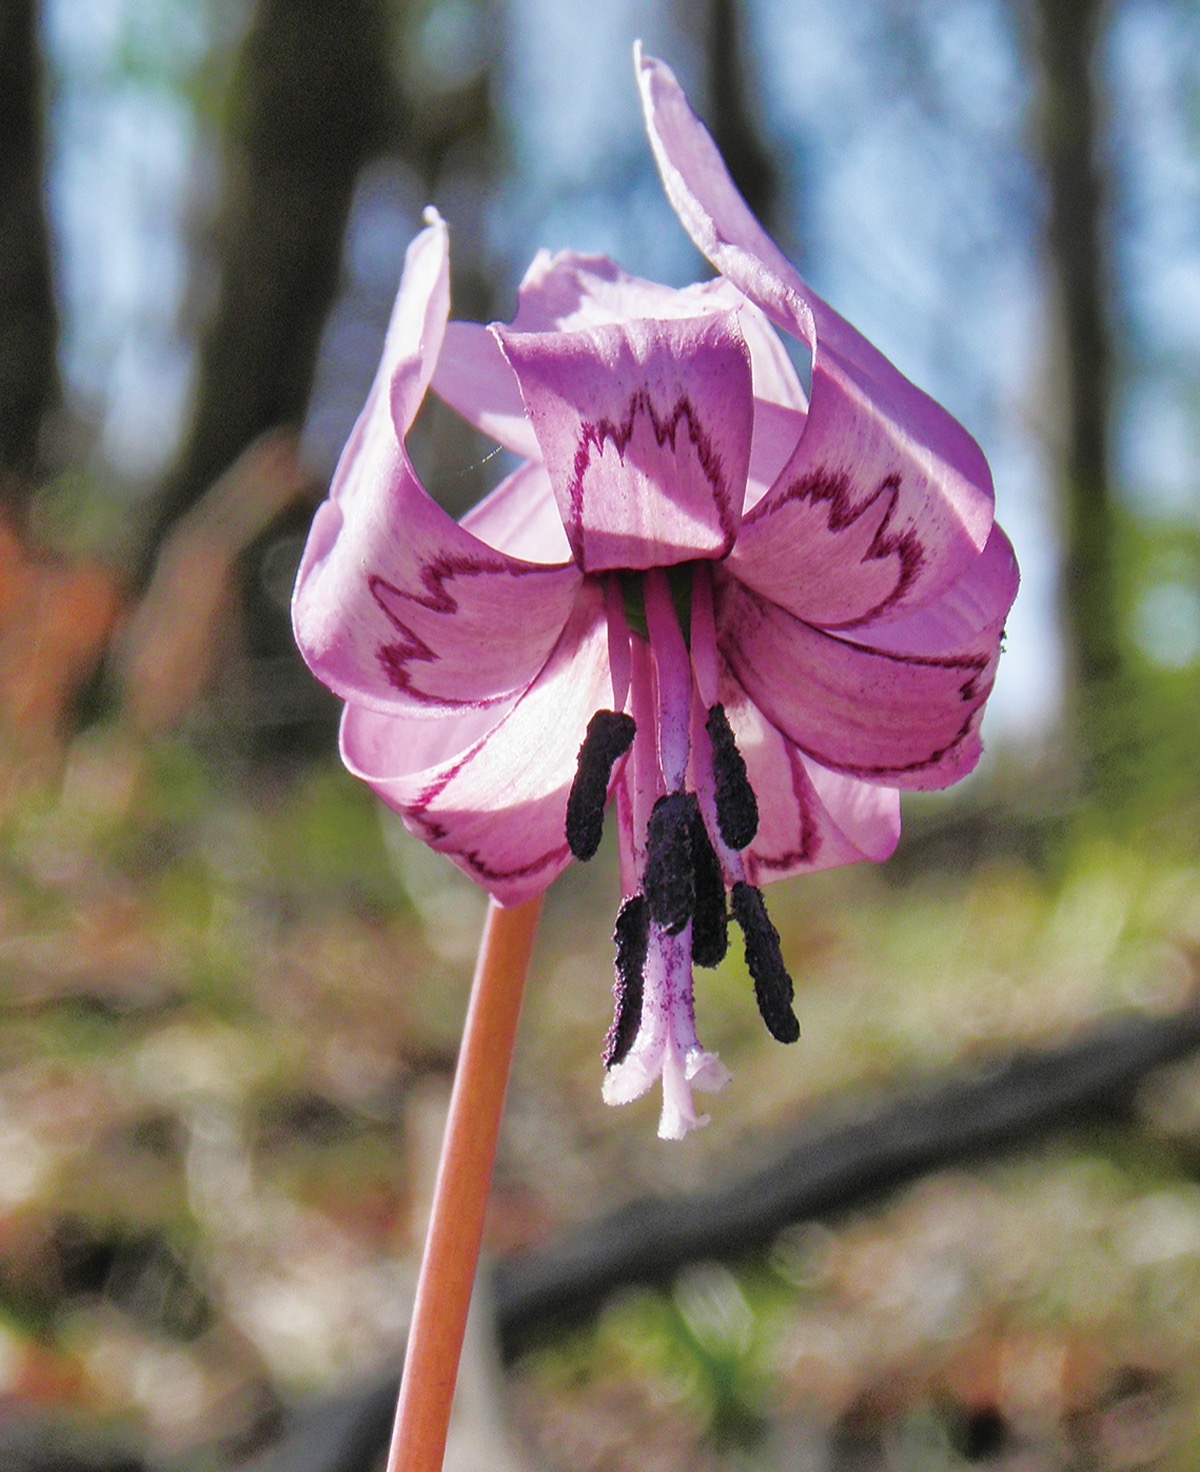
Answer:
(396, 604)
(521, 517)
(645, 429)
(777, 431)
(810, 818)
(568, 292)
(970, 613)
(775, 379)
(565, 292)
(474, 378)
(905, 719)
(491, 793)
(875, 449)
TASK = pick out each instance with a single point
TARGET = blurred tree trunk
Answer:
(731, 86)
(321, 90)
(310, 104)
(1067, 37)
(446, 131)
(28, 322)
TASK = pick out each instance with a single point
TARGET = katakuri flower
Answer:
(751, 617)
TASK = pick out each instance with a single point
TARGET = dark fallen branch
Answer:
(829, 1167)
(46, 1444)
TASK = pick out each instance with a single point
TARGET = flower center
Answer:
(686, 814)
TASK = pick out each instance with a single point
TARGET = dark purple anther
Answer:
(669, 880)
(773, 989)
(632, 936)
(710, 923)
(609, 736)
(737, 807)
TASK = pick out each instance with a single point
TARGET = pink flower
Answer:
(767, 615)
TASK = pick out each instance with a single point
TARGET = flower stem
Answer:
(460, 1194)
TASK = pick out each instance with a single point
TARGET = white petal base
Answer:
(680, 1073)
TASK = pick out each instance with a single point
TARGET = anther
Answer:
(669, 879)
(710, 923)
(632, 937)
(737, 807)
(609, 736)
(773, 989)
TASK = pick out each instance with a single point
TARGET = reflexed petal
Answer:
(568, 292)
(874, 445)
(474, 378)
(395, 604)
(810, 818)
(645, 430)
(521, 517)
(970, 614)
(777, 432)
(491, 793)
(775, 379)
(909, 720)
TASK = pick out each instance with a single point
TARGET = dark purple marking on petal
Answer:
(434, 832)
(835, 489)
(973, 691)
(595, 433)
(396, 659)
(809, 838)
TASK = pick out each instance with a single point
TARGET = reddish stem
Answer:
(460, 1195)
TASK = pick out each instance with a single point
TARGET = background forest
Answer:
(959, 1224)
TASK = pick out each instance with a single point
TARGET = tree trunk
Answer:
(1067, 36)
(310, 104)
(730, 86)
(28, 322)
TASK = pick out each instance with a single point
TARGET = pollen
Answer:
(632, 937)
(609, 736)
(737, 807)
(710, 921)
(670, 882)
(773, 988)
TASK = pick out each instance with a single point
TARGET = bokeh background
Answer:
(959, 1224)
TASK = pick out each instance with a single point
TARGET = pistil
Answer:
(672, 678)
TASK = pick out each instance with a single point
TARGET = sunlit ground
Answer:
(230, 1014)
